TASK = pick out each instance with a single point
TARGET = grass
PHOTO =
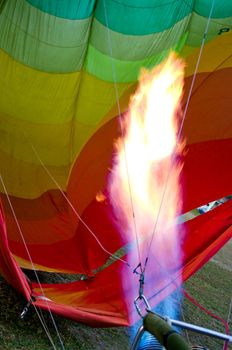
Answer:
(211, 287)
(28, 334)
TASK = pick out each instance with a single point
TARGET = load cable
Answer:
(182, 123)
(74, 210)
(33, 266)
(122, 134)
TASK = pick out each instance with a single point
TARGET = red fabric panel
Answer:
(107, 298)
(8, 267)
(79, 254)
(207, 173)
(100, 218)
(199, 238)
(51, 238)
(42, 220)
(90, 170)
(63, 256)
(208, 115)
(207, 130)
(205, 235)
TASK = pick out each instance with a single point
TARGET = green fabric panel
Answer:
(141, 17)
(131, 47)
(110, 69)
(43, 41)
(2, 3)
(221, 8)
(71, 9)
(197, 27)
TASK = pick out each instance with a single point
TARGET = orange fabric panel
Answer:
(98, 301)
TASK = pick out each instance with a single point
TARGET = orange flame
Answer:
(145, 166)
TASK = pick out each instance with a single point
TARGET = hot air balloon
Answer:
(67, 72)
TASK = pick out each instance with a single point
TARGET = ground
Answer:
(211, 287)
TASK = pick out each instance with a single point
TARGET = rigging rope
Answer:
(194, 302)
(197, 304)
(226, 345)
(224, 322)
(182, 122)
(143, 268)
(42, 320)
(229, 312)
(122, 133)
(183, 317)
(73, 208)
(30, 259)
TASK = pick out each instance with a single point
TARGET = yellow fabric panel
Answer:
(71, 298)
(36, 96)
(186, 51)
(95, 99)
(23, 140)
(83, 132)
(123, 103)
(26, 264)
(216, 55)
(36, 111)
(47, 112)
(28, 180)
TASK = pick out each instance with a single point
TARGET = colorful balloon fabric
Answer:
(67, 71)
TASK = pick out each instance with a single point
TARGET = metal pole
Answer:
(137, 338)
(201, 330)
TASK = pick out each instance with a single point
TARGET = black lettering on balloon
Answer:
(223, 30)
